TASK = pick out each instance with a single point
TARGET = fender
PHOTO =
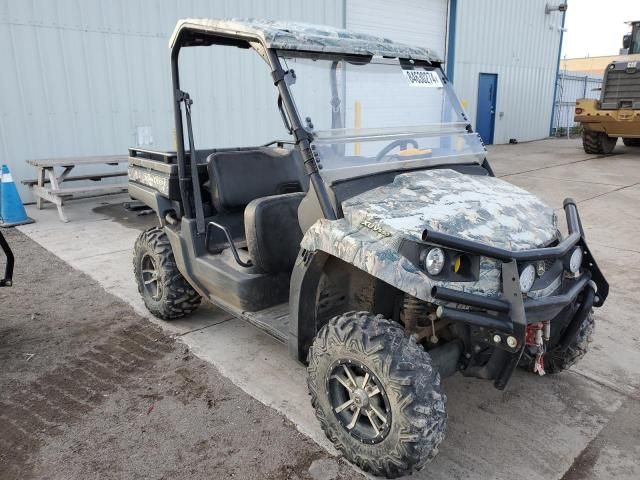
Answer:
(373, 250)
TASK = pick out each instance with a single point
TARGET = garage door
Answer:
(414, 22)
(417, 22)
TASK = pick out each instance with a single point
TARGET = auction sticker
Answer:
(423, 78)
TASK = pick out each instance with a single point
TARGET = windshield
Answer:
(382, 115)
(634, 46)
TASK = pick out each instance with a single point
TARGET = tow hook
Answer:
(537, 334)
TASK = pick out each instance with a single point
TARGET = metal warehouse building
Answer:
(91, 77)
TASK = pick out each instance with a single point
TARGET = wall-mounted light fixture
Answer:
(555, 8)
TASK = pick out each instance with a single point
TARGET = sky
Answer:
(596, 27)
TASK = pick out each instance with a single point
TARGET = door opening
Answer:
(486, 111)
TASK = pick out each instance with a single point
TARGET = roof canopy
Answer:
(304, 37)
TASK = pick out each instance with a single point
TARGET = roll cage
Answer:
(184, 36)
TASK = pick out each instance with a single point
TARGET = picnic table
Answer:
(56, 194)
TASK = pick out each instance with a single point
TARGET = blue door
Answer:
(486, 111)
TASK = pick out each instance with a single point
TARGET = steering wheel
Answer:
(396, 143)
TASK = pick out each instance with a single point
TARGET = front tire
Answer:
(556, 362)
(376, 394)
(598, 142)
(166, 293)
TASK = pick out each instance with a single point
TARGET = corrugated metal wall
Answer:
(80, 77)
(519, 42)
(571, 87)
(90, 77)
(415, 22)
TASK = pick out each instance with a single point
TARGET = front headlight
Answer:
(527, 277)
(575, 261)
(434, 261)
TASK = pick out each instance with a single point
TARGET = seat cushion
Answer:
(272, 231)
(239, 176)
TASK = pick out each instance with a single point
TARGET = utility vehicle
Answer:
(617, 113)
(374, 240)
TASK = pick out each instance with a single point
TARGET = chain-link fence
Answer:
(571, 86)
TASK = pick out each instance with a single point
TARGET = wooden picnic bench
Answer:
(48, 184)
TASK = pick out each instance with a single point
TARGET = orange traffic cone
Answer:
(12, 210)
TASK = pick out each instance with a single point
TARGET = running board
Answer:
(273, 320)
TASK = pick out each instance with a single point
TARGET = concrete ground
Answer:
(89, 389)
(580, 424)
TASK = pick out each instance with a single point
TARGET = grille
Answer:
(621, 88)
(548, 264)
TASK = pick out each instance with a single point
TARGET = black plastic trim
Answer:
(306, 275)
(415, 252)
(154, 200)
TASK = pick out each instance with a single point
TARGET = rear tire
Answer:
(390, 373)
(598, 142)
(631, 142)
(166, 293)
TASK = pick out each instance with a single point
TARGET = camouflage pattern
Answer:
(307, 37)
(151, 179)
(479, 208)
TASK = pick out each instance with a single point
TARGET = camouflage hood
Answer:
(481, 208)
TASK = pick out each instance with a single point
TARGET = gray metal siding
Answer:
(415, 22)
(519, 42)
(79, 76)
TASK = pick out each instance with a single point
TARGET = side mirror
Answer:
(626, 41)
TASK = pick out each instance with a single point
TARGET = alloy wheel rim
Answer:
(358, 401)
(149, 271)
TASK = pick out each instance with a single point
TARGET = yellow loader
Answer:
(617, 113)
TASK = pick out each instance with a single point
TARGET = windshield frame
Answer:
(337, 136)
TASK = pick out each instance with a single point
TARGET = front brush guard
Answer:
(507, 314)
